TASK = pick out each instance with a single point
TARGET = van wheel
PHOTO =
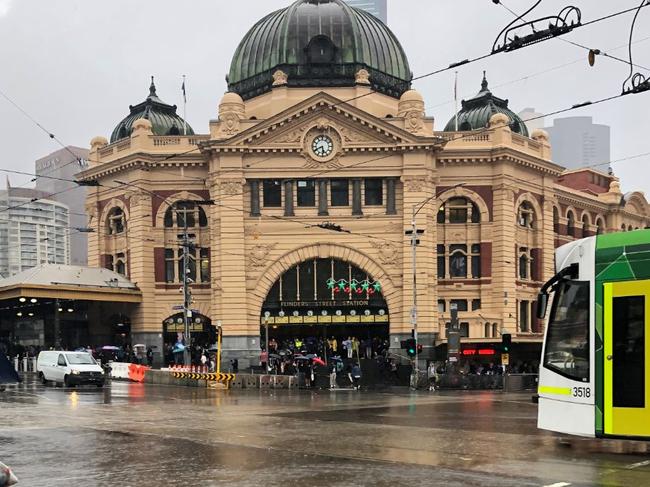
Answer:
(42, 378)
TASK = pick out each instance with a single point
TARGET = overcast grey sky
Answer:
(77, 65)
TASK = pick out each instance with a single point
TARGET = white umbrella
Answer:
(6, 475)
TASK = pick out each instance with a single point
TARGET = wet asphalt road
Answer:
(138, 435)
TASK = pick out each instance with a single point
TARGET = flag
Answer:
(184, 93)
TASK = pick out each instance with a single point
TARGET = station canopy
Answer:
(70, 282)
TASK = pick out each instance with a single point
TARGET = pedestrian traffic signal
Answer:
(506, 340)
(419, 348)
(410, 347)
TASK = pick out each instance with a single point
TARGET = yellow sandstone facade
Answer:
(286, 168)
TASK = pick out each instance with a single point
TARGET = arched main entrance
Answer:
(323, 298)
(174, 330)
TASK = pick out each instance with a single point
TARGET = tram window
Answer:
(629, 352)
(567, 341)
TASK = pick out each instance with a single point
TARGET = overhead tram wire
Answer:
(595, 50)
(538, 73)
(451, 66)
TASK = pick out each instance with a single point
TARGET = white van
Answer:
(70, 368)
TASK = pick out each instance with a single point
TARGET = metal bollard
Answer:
(34, 360)
(24, 364)
(16, 363)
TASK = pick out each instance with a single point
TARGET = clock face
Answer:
(322, 146)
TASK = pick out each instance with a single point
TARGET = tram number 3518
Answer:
(582, 392)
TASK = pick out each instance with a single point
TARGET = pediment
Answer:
(355, 128)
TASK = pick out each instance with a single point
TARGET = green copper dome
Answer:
(476, 112)
(319, 43)
(163, 118)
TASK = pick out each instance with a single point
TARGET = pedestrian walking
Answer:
(432, 376)
(356, 376)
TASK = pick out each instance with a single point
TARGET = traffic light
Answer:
(506, 342)
(212, 334)
(420, 348)
(410, 347)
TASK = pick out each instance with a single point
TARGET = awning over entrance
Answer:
(70, 282)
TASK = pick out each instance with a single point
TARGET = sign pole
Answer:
(219, 331)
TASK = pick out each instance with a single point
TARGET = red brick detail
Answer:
(159, 264)
(486, 259)
(582, 181)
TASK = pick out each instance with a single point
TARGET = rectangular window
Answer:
(461, 304)
(476, 304)
(629, 352)
(205, 265)
(442, 261)
(523, 316)
(442, 306)
(374, 192)
(464, 330)
(567, 340)
(169, 265)
(272, 193)
(340, 192)
(306, 193)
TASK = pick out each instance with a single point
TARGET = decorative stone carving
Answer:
(292, 136)
(259, 254)
(411, 109)
(355, 137)
(362, 77)
(138, 197)
(231, 187)
(231, 111)
(415, 185)
(387, 252)
(252, 231)
(280, 78)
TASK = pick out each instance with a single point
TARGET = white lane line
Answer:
(558, 484)
(637, 465)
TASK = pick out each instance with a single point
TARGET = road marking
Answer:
(637, 465)
(559, 484)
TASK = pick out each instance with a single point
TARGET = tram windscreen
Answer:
(567, 340)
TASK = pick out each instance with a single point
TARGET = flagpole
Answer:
(184, 108)
(456, 99)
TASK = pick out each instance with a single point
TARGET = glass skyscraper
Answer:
(378, 8)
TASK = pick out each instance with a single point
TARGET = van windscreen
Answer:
(80, 359)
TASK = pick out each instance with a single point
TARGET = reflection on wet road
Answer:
(133, 434)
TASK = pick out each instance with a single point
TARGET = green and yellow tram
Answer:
(595, 373)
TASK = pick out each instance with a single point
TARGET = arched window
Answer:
(320, 50)
(525, 263)
(623, 227)
(571, 224)
(495, 330)
(488, 329)
(556, 220)
(585, 226)
(526, 215)
(115, 222)
(459, 211)
(629, 228)
(600, 226)
(185, 214)
(117, 263)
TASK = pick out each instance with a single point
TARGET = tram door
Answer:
(627, 358)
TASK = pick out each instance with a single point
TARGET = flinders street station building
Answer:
(296, 198)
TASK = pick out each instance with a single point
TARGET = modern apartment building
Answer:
(578, 142)
(61, 167)
(34, 230)
(378, 8)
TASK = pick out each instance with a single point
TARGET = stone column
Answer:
(391, 207)
(356, 197)
(288, 198)
(322, 197)
(255, 197)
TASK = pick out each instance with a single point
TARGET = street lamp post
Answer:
(414, 233)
